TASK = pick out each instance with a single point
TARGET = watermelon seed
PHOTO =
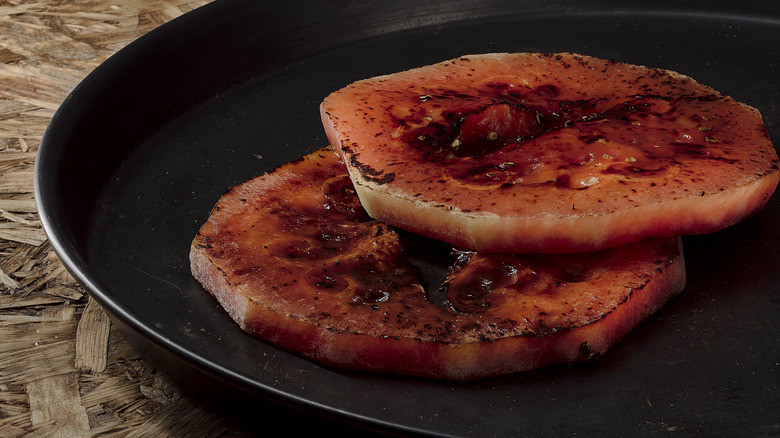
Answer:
(588, 352)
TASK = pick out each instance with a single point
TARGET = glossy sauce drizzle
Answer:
(496, 136)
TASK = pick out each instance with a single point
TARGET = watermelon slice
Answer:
(294, 259)
(554, 153)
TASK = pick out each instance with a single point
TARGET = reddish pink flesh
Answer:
(550, 153)
(294, 260)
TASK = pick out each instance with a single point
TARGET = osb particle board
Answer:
(64, 370)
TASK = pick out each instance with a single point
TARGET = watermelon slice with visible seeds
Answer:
(551, 153)
(294, 259)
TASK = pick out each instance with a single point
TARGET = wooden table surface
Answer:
(64, 370)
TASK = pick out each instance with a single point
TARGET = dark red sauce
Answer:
(488, 137)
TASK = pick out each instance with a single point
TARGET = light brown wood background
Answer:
(64, 370)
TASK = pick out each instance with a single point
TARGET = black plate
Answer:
(141, 150)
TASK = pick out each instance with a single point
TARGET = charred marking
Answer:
(370, 174)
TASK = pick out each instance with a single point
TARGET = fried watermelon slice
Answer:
(295, 260)
(553, 153)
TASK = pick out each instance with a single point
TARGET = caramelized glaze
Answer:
(533, 152)
(294, 260)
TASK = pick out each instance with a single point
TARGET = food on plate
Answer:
(552, 153)
(485, 215)
(294, 259)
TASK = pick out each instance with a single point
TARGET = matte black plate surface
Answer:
(139, 153)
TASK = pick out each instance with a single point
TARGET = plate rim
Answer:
(66, 248)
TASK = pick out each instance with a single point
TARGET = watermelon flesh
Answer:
(530, 153)
(294, 260)
(486, 215)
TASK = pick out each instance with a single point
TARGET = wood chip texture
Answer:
(65, 371)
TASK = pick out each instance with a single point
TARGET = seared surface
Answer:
(550, 153)
(294, 259)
